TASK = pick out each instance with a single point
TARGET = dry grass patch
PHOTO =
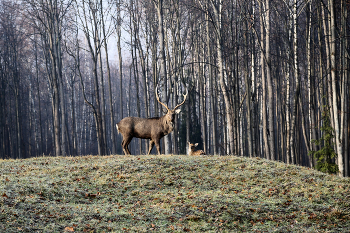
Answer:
(169, 194)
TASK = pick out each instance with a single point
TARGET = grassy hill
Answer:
(169, 194)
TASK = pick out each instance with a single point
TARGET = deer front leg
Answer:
(151, 144)
(157, 145)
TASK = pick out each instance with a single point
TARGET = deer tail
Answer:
(116, 125)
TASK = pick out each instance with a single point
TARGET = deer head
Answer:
(192, 149)
(170, 115)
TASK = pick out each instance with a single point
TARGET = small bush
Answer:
(326, 155)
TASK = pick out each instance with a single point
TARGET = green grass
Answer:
(169, 194)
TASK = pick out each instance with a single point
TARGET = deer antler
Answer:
(159, 100)
(185, 96)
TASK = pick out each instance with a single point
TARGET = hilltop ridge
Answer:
(169, 193)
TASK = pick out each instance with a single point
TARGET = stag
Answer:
(193, 151)
(148, 128)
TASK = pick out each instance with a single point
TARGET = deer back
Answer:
(146, 128)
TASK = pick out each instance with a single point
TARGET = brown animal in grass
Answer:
(148, 128)
(192, 149)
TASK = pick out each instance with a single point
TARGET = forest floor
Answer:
(169, 193)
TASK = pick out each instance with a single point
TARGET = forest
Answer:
(264, 78)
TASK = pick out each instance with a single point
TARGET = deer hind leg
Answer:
(125, 143)
(123, 146)
(151, 144)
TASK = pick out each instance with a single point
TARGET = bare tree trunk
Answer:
(263, 101)
(248, 94)
(188, 120)
(288, 95)
(133, 43)
(63, 118)
(345, 88)
(217, 13)
(109, 82)
(52, 36)
(102, 95)
(254, 95)
(120, 59)
(269, 84)
(136, 79)
(56, 114)
(297, 91)
(177, 43)
(303, 126)
(99, 116)
(309, 82)
(144, 69)
(39, 148)
(200, 84)
(211, 91)
(323, 83)
(163, 70)
(328, 79)
(18, 111)
(338, 130)
(202, 107)
(3, 134)
(73, 116)
(94, 50)
(235, 102)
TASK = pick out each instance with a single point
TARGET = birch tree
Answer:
(338, 130)
(217, 11)
(163, 68)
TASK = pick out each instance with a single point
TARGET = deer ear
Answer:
(196, 144)
(177, 111)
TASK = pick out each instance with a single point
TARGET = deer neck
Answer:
(167, 125)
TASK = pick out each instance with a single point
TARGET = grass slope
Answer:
(169, 194)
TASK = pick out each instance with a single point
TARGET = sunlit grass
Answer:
(169, 194)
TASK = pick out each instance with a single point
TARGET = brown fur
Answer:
(193, 151)
(146, 128)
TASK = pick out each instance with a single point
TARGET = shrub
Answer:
(326, 155)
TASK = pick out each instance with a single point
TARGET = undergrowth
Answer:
(169, 194)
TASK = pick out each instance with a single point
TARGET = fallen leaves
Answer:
(122, 193)
(312, 216)
(69, 229)
(92, 195)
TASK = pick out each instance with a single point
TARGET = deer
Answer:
(148, 128)
(193, 151)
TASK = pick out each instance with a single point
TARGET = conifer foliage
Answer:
(326, 155)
